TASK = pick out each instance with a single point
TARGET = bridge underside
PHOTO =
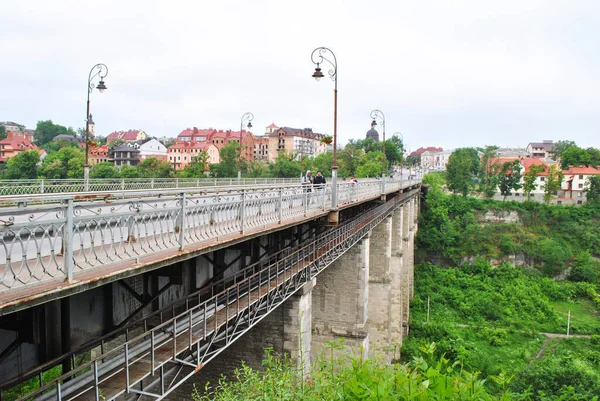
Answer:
(146, 330)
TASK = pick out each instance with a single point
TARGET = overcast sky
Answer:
(445, 73)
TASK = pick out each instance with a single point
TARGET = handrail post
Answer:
(242, 211)
(42, 186)
(68, 241)
(280, 205)
(122, 184)
(182, 225)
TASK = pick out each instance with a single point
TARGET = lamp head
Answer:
(374, 123)
(101, 86)
(318, 74)
(249, 124)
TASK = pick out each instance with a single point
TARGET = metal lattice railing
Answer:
(40, 243)
(51, 186)
(203, 329)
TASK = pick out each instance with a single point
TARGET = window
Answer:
(579, 195)
(581, 176)
(559, 202)
(580, 185)
(579, 202)
(542, 179)
(516, 193)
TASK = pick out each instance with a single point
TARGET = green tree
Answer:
(348, 159)
(529, 179)
(553, 182)
(55, 146)
(2, 132)
(23, 165)
(559, 147)
(575, 156)
(258, 169)
(594, 155)
(393, 151)
(128, 171)
(228, 166)
(370, 164)
(592, 189)
(197, 167)
(488, 172)
(463, 165)
(104, 170)
(154, 168)
(285, 166)
(71, 160)
(510, 177)
(322, 163)
(45, 131)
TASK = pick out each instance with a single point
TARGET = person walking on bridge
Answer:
(319, 181)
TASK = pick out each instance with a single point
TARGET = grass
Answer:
(585, 318)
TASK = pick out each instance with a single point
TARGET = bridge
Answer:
(129, 289)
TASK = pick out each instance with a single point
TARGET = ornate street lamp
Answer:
(247, 122)
(402, 161)
(378, 115)
(99, 70)
(318, 56)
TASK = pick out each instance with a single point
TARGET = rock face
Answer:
(499, 216)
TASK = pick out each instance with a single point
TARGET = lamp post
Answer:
(378, 115)
(402, 161)
(318, 56)
(99, 70)
(247, 120)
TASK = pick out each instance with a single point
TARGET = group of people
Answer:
(317, 181)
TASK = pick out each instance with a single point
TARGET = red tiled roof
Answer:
(582, 170)
(191, 132)
(190, 145)
(420, 151)
(130, 135)
(14, 142)
(272, 126)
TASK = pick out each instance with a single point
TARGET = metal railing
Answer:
(72, 235)
(52, 186)
(202, 329)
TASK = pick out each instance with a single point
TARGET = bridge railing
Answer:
(52, 186)
(62, 239)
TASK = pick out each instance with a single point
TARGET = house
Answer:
(512, 152)
(261, 148)
(14, 144)
(540, 150)
(98, 154)
(440, 159)
(126, 136)
(124, 154)
(575, 180)
(221, 138)
(300, 141)
(195, 135)
(182, 153)
(152, 148)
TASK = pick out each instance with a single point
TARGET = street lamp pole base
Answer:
(86, 178)
(334, 188)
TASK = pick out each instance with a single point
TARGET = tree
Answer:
(154, 168)
(370, 165)
(592, 189)
(23, 165)
(559, 147)
(463, 165)
(2, 132)
(594, 156)
(322, 163)
(197, 167)
(45, 131)
(488, 172)
(104, 170)
(257, 169)
(67, 162)
(285, 166)
(529, 179)
(128, 171)
(348, 159)
(575, 156)
(510, 177)
(553, 182)
(228, 166)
